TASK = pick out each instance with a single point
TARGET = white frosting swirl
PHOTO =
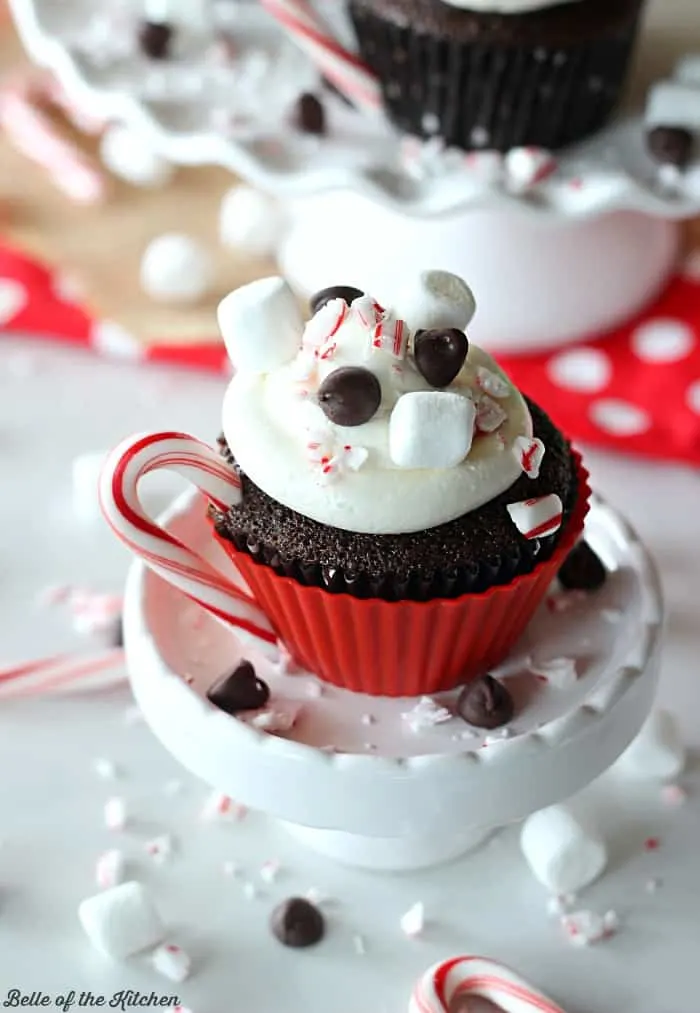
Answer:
(344, 476)
(505, 6)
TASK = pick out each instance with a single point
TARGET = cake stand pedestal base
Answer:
(389, 854)
(565, 278)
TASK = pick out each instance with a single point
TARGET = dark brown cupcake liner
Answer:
(489, 95)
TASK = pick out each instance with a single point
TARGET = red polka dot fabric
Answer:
(634, 389)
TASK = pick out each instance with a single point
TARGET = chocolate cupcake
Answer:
(404, 508)
(498, 74)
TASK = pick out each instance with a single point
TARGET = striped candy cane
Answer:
(341, 67)
(62, 672)
(445, 983)
(34, 135)
(160, 550)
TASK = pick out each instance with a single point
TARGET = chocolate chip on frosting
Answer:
(346, 292)
(670, 145)
(310, 115)
(440, 354)
(155, 39)
(240, 690)
(350, 396)
(297, 922)
(582, 570)
(485, 703)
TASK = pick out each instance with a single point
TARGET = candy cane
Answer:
(34, 135)
(445, 983)
(62, 672)
(163, 552)
(342, 68)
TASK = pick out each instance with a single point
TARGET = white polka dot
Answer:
(692, 397)
(691, 266)
(13, 299)
(619, 418)
(112, 339)
(582, 369)
(663, 341)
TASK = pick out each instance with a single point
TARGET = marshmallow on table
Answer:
(657, 753)
(431, 429)
(121, 921)
(127, 156)
(176, 268)
(673, 104)
(250, 221)
(562, 854)
(261, 325)
(435, 299)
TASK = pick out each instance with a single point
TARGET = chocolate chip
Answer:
(296, 922)
(155, 38)
(485, 703)
(350, 396)
(310, 115)
(346, 292)
(440, 354)
(670, 145)
(582, 570)
(241, 690)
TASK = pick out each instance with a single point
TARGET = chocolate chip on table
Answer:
(670, 145)
(440, 354)
(346, 292)
(310, 115)
(155, 39)
(350, 396)
(582, 570)
(485, 703)
(297, 922)
(240, 690)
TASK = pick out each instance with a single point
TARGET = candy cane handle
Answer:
(160, 550)
(445, 983)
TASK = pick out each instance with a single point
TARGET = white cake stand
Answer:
(578, 254)
(386, 796)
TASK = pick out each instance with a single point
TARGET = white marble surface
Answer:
(55, 403)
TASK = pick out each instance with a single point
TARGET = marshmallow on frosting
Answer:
(361, 466)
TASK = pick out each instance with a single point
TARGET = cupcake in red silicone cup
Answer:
(394, 508)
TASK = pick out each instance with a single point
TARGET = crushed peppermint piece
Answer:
(358, 943)
(489, 414)
(493, 384)
(53, 594)
(413, 921)
(110, 869)
(324, 325)
(529, 453)
(559, 672)
(673, 795)
(274, 720)
(115, 815)
(219, 806)
(172, 962)
(106, 769)
(160, 848)
(269, 870)
(426, 714)
(652, 844)
(585, 927)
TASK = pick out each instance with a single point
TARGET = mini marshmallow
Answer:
(129, 157)
(489, 414)
(110, 869)
(115, 814)
(435, 299)
(431, 429)
(261, 325)
(560, 673)
(121, 921)
(250, 222)
(526, 167)
(537, 518)
(562, 854)
(673, 104)
(657, 753)
(172, 962)
(176, 268)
